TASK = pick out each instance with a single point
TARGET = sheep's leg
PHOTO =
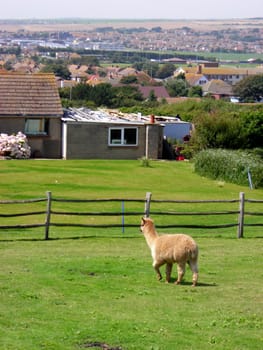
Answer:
(180, 272)
(156, 267)
(194, 268)
(168, 272)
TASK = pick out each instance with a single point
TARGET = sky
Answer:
(132, 9)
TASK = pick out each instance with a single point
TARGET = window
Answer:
(36, 126)
(123, 136)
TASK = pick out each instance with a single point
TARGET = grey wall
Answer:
(90, 141)
(41, 146)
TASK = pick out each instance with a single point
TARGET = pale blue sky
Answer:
(132, 9)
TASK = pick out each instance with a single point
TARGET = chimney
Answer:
(199, 69)
(152, 119)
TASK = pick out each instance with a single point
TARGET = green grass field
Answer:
(88, 287)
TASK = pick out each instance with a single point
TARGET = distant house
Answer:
(78, 72)
(217, 89)
(127, 71)
(30, 103)
(231, 75)
(195, 79)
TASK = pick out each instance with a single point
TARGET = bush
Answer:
(230, 166)
(217, 131)
(145, 162)
(15, 146)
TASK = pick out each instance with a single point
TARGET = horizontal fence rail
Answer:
(51, 216)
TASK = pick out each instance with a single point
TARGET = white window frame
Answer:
(121, 141)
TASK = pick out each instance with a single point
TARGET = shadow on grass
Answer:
(66, 238)
(188, 283)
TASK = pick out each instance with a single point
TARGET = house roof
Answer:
(159, 91)
(193, 78)
(127, 71)
(85, 115)
(78, 70)
(29, 95)
(217, 87)
(222, 70)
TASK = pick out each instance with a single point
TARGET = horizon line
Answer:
(127, 19)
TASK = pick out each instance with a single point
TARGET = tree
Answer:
(195, 91)
(151, 68)
(138, 65)
(166, 70)
(177, 87)
(85, 60)
(217, 131)
(129, 79)
(102, 94)
(252, 128)
(81, 92)
(126, 96)
(250, 88)
(59, 69)
(152, 97)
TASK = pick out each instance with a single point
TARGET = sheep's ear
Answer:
(143, 221)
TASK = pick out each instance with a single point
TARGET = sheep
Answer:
(169, 249)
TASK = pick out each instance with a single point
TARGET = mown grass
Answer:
(88, 286)
(116, 179)
(67, 293)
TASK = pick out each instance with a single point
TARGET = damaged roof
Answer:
(84, 114)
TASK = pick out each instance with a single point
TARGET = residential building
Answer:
(217, 89)
(231, 75)
(30, 103)
(91, 134)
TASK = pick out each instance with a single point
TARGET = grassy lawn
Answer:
(97, 286)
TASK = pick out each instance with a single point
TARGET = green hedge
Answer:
(230, 166)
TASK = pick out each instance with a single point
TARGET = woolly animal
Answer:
(169, 249)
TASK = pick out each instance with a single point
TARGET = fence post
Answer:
(48, 213)
(122, 216)
(240, 229)
(147, 204)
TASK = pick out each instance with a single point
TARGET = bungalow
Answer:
(217, 89)
(30, 103)
(103, 135)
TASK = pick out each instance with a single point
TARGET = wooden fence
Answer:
(49, 214)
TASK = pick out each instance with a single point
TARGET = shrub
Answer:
(15, 146)
(145, 162)
(217, 131)
(230, 166)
